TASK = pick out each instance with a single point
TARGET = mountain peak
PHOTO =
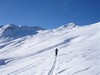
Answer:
(13, 31)
(9, 25)
(13, 26)
(68, 26)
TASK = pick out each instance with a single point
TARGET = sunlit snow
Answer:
(31, 50)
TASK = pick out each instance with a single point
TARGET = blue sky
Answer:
(49, 13)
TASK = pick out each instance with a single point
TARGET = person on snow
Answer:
(56, 52)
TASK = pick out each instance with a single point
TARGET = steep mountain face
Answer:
(11, 31)
(32, 52)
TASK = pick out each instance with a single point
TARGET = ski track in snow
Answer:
(24, 68)
(81, 71)
(53, 67)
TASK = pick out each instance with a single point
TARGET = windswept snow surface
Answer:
(34, 54)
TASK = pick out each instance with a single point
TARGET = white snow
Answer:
(29, 51)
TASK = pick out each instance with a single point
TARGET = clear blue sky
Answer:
(49, 13)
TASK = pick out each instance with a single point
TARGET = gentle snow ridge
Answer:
(31, 53)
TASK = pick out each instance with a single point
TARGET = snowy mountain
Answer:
(11, 31)
(31, 50)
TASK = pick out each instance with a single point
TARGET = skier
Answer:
(56, 52)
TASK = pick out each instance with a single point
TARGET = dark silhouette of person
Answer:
(56, 52)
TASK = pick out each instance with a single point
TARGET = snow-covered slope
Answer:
(34, 54)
